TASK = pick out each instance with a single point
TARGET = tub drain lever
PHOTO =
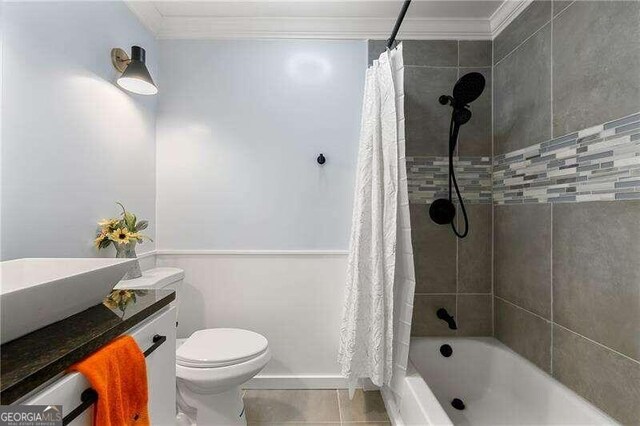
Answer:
(446, 350)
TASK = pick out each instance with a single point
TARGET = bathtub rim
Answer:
(419, 405)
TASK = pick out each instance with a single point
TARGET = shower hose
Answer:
(453, 139)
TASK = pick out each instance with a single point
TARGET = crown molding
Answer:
(505, 14)
(185, 27)
(147, 13)
(326, 28)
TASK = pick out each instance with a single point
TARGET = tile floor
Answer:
(314, 407)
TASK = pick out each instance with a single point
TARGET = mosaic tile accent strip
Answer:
(428, 178)
(598, 163)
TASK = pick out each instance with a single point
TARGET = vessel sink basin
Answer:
(37, 292)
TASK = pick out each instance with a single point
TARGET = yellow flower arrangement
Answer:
(123, 236)
(119, 231)
(108, 223)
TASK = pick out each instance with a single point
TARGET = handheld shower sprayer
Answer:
(467, 89)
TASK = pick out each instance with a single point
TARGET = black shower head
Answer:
(468, 88)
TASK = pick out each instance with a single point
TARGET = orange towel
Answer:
(118, 373)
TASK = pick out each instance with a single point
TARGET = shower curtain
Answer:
(381, 202)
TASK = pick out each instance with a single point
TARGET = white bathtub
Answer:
(498, 387)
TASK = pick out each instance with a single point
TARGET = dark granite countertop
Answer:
(31, 360)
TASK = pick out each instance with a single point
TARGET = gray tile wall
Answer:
(527, 23)
(522, 256)
(431, 69)
(567, 295)
(450, 273)
(529, 335)
(523, 94)
(563, 67)
(596, 272)
(567, 274)
(601, 39)
(610, 381)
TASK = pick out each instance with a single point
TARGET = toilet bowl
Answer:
(211, 365)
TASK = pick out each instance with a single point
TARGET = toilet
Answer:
(211, 364)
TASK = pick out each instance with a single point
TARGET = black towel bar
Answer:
(89, 396)
(157, 341)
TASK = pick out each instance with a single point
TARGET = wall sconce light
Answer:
(135, 75)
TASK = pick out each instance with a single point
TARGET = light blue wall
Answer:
(240, 124)
(73, 143)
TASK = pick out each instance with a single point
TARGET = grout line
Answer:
(457, 154)
(523, 42)
(450, 67)
(463, 67)
(551, 331)
(339, 408)
(493, 249)
(455, 314)
(452, 294)
(562, 11)
(457, 220)
(524, 309)
(493, 254)
(598, 343)
(551, 73)
(568, 329)
(551, 284)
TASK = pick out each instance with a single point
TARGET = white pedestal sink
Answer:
(37, 292)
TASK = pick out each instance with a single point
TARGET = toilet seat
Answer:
(220, 347)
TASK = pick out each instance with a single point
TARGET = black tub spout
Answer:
(444, 316)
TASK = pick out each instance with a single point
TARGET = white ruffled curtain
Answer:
(366, 346)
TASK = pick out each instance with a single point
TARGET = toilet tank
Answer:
(157, 278)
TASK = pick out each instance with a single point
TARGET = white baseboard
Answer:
(296, 382)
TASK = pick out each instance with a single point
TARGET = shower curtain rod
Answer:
(396, 27)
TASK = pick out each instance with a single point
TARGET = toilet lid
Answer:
(219, 347)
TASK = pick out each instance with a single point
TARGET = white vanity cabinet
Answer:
(161, 368)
